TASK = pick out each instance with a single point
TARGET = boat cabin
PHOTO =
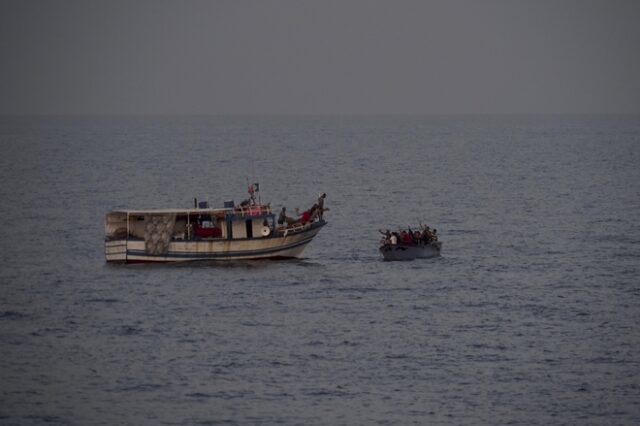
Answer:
(229, 223)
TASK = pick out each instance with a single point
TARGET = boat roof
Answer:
(251, 210)
(172, 211)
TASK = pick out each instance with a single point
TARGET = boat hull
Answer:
(290, 245)
(410, 252)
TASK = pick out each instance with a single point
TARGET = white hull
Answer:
(410, 252)
(289, 246)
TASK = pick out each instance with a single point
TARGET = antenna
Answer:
(258, 191)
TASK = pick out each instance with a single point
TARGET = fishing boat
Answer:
(244, 232)
(409, 245)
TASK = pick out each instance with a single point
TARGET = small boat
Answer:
(403, 251)
(409, 245)
(245, 232)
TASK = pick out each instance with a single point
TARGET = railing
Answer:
(295, 228)
(257, 210)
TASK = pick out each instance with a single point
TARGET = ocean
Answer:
(530, 316)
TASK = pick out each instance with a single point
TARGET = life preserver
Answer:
(265, 231)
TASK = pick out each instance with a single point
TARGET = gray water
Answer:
(531, 315)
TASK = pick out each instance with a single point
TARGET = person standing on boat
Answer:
(282, 218)
(320, 205)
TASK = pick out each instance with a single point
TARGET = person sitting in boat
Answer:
(429, 235)
(424, 236)
(416, 237)
(393, 239)
(308, 215)
(411, 238)
(408, 238)
(405, 237)
(387, 236)
(283, 219)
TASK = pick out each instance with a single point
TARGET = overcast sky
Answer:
(319, 57)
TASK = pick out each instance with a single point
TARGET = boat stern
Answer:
(115, 250)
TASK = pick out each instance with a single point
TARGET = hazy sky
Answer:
(308, 57)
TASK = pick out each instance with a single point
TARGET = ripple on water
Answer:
(529, 316)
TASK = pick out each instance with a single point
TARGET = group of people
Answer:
(408, 237)
(315, 212)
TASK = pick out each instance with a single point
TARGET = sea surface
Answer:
(531, 316)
